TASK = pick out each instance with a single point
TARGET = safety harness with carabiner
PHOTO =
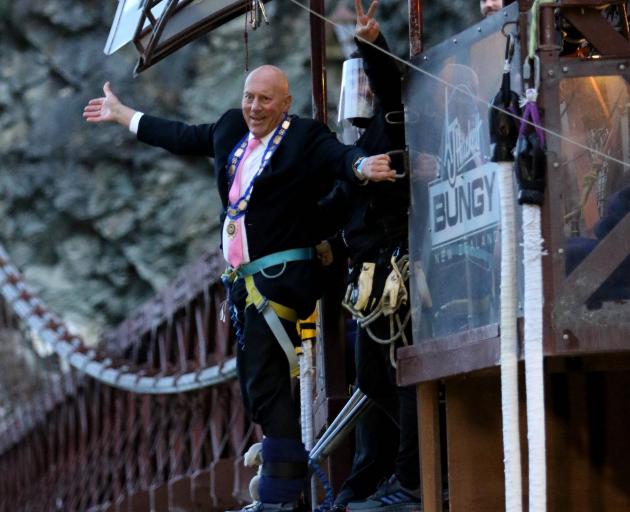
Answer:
(271, 311)
(368, 305)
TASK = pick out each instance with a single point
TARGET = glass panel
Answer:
(594, 113)
(454, 219)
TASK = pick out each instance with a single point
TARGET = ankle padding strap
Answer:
(285, 470)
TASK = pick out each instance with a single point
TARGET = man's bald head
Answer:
(266, 99)
(271, 74)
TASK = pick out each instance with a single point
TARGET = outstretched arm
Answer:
(174, 136)
(108, 109)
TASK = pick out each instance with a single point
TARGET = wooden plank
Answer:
(588, 451)
(429, 440)
(438, 358)
(475, 452)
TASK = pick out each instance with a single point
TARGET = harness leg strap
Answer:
(265, 307)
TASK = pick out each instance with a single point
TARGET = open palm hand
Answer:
(99, 110)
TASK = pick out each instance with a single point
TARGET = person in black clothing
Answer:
(375, 230)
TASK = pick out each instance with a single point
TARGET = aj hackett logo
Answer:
(461, 147)
(465, 199)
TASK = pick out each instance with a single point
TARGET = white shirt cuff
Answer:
(135, 121)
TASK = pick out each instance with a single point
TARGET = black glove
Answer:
(503, 126)
(530, 166)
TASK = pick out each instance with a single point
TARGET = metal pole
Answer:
(341, 426)
(415, 27)
(318, 60)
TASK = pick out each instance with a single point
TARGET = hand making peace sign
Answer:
(367, 27)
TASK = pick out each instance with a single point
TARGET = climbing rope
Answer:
(533, 302)
(394, 296)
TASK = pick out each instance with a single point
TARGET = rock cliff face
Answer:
(96, 221)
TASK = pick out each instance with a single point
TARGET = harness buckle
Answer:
(277, 274)
(262, 305)
(228, 276)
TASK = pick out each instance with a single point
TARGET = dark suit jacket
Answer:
(282, 212)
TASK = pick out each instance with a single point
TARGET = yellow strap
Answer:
(295, 372)
(284, 312)
(253, 295)
(256, 298)
(307, 328)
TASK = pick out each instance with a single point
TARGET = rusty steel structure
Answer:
(583, 48)
(180, 22)
(150, 420)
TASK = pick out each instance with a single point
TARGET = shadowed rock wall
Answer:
(96, 221)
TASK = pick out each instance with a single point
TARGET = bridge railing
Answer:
(150, 420)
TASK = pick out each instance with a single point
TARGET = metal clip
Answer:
(390, 117)
(509, 50)
(253, 14)
(257, 14)
(277, 274)
(262, 305)
(405, 159)
(506, 24)
(527, 71)
(261, 6)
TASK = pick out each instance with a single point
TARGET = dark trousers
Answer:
(376, 439)
(376, 377)
(263, 369)
(263, 372)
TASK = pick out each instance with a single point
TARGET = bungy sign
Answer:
(464, 200)
(454, 220)
(468, 206)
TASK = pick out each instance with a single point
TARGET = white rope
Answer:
(307, 379)
(509, 344)
(306, 393)
(534, 376)
(395, 332)
(388, 305)
(533, 332)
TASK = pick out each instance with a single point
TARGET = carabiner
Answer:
(527, 71)
(509, 48)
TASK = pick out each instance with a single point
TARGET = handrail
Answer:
(72, 349)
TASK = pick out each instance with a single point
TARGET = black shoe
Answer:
(391, 496)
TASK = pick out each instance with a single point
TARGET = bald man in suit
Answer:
(271, 168)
